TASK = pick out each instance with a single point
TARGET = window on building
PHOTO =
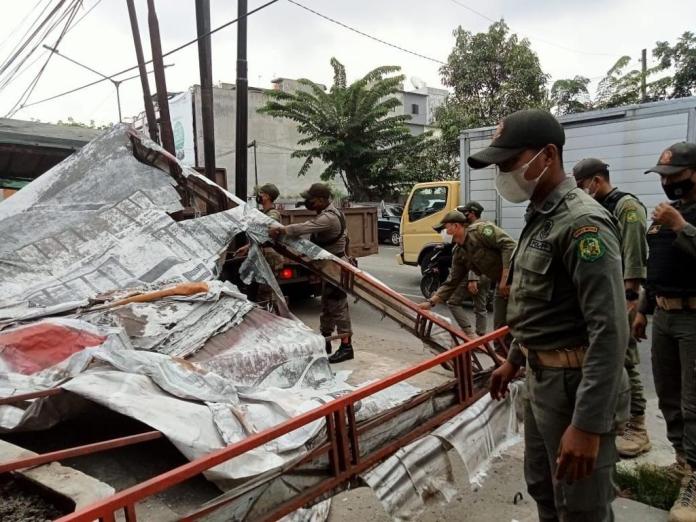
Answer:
(414, 108)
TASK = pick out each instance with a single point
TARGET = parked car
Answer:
(389, 224)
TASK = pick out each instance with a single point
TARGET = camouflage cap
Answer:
(453, 216)
(588, 167)
(317, 190)
(270, 189)
(676, 158)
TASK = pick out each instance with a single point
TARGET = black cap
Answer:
(270, 189)
(527, 129)
(676, 158)
(588, 167)
(472, 206)
(317, 190)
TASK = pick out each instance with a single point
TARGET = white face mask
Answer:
(446, 237)
(513, 186)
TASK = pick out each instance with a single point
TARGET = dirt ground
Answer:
(22, 502)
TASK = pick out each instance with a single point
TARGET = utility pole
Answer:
(242, 86)
(160, 80)
(205, 64)
(644, 73)
(147, 96)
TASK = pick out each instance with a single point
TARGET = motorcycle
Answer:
(436, 269)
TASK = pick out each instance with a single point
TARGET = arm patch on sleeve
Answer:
(590, 246)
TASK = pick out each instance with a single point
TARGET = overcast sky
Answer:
(571, 37)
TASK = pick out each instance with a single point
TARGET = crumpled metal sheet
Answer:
(421, 473)
(177, 325)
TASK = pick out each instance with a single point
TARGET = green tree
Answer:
(491, 74)
(682, 58)
(71, 122)
(570, 95)
(352, 128)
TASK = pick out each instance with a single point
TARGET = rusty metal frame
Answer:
(342, 436)
(77, 451)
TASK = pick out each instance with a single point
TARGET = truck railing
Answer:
(342, 446)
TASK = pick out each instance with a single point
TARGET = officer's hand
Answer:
(500, 379)
(665, 214)
(632, 307)
(577, 454)
(638, 327)
(275, 231)
(425, 305)
(504, 290)
(242, 251)
(472, 287)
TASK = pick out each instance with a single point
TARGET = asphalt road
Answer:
(406, 280)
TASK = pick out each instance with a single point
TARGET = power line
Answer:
(534, 37)
(12, 33)
(30, 89)
(332, 20)
(175, 50)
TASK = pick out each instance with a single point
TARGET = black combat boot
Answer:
(344, 353)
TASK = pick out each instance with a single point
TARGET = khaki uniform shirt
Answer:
(272, 213)
(567, 291)
(487, 250)
(325, 227)
(274, 259)
(633, 224)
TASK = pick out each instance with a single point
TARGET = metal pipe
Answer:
(205, 65)
(242, 87)
(160, 80)
(78, 451)
(147, 96)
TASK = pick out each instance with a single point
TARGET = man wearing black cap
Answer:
(564, 311)
(671, 297)
(592, 175)
(481, 251)
(327, 230)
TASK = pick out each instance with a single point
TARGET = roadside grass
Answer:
(648, 484)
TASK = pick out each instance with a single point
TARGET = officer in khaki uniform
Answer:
(265, 197)
(482, 250)
(327, 230)
(671, 297)
(565, 311)
(592, 176)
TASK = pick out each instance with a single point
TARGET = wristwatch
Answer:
(632, 295)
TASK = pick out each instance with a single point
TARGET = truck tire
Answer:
(429, 284)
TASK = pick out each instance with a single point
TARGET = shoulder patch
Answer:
(587, 229)
(631, 216)
(570, 196)
(488, 231)
(654, 229)
(591, 247)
